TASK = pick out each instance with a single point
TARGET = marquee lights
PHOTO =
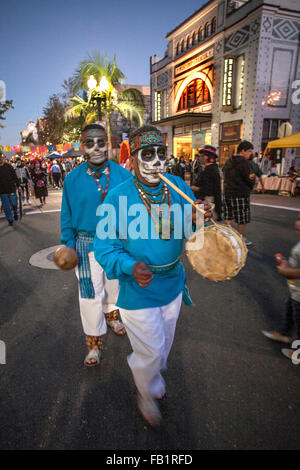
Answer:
(157, 105)
(242, 80)
(228, 83)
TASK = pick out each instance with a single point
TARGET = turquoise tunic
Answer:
(81, 198)
(117, 255)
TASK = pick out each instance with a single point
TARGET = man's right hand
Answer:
(142, 274)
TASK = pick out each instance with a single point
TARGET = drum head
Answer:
(222, 254)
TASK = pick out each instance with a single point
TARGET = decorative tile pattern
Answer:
(267, 24)
(254, 27)
(218, 47)
(286, 29)
(162, 80)
(237, 39)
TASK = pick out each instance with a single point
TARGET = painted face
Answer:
(95, 145)
(151, 161)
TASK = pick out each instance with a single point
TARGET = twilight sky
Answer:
(43, 41)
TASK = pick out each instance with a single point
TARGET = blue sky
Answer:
(42, 42)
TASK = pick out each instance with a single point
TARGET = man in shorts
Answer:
(239, 179)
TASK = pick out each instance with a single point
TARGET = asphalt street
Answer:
(228, 386)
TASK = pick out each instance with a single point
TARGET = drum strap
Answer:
(169, 268)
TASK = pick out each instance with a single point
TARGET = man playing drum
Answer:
(143, 253)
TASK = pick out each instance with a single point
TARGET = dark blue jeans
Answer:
(291, 316)
(9, 200)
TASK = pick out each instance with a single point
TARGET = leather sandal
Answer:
(94, 355)
(114, 323)
(95, 346)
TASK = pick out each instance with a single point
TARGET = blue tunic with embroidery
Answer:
(133, 243)
(82, 197)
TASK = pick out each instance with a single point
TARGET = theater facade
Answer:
(229, 73)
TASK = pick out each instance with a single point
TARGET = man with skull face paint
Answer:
(84, 190)
(151, 277)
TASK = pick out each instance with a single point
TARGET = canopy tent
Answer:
(289, 141)
(73, 153)
(54, 155)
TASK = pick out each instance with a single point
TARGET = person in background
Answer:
(290, 269)
(208, 183)
(24, 179)
(39, 179)
(239, 180)
(273, 170)
(257, 171)
(181, 166)
(56, 173)
(171, 164)
(196, 168)
(8, 186)
(62, 167)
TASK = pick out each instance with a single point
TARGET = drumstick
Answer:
(183, 194)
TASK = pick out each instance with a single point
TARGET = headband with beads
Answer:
(144, 139)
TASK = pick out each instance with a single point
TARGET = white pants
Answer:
(106, 294)
(151, 333)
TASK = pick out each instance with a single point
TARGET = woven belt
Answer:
(165, 269)
(169, 268)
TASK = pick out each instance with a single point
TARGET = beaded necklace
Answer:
(96, 174)
(148, 200)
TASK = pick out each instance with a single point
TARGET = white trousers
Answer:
(106, 294)
(151, 333)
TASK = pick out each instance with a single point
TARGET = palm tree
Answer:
(129, 103)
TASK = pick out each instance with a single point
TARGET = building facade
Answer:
(230, 72)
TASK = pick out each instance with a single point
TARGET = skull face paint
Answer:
(151, 161)
(95, 146)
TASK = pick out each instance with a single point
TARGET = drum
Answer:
(219, 254)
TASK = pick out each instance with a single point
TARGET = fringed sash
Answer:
(85, 281)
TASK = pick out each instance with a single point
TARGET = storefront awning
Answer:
(290, 141)
(183, 119)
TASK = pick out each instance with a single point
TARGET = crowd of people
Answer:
(31, 178)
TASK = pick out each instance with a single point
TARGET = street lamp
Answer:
(101, 90)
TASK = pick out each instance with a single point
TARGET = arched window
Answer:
(187, 42)
(177, 49)
(193, 38)
(182, 46)
(206, 30)
(199, 34)
(213, 25)
(195, 93)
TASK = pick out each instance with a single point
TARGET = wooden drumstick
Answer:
(184, 195)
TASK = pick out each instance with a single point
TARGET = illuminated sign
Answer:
(193, 62)
(228, 83)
